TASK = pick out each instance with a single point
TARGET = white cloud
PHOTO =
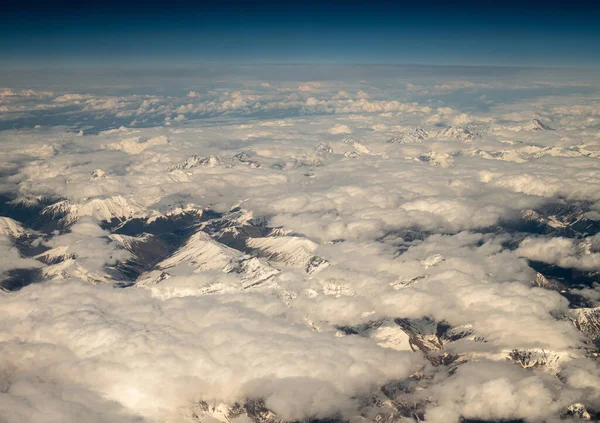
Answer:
(412, 227)
(136, 145)
(561, 251)
(496, 391)
(11, 259)
(340, 129)
(311, 86)
(108, 342)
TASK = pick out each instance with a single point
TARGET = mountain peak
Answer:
(11, 227)
(194, 161)
(538, 125)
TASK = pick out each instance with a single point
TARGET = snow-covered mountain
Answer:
(538, 125)
(459, 133)
(244, 158)
(196, 160)
(416, 136)
(436, 159)
(587, 320)
(202, 253)
(11, 228)
(291, 251)
(115, 208)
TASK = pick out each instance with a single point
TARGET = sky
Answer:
(513, 33)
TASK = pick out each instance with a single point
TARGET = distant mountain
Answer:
(194, 161)
(436, 159)
(201, 253)
(587, 320)
(291, 251)
(244, 158)
(538, 125)
(458, 133)
(108, 210)
(415, 136)
(11, 228)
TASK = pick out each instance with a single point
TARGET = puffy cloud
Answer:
(454, 213)
(90, 244)
(496, 391)
(11, 259)
(136, 145)
(563, 252)
(340, 129)
(109, 344)
(408, 219)
(310, 86)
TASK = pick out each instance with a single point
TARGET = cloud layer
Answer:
(325, 249)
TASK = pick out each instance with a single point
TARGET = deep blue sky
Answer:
(502, 32)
